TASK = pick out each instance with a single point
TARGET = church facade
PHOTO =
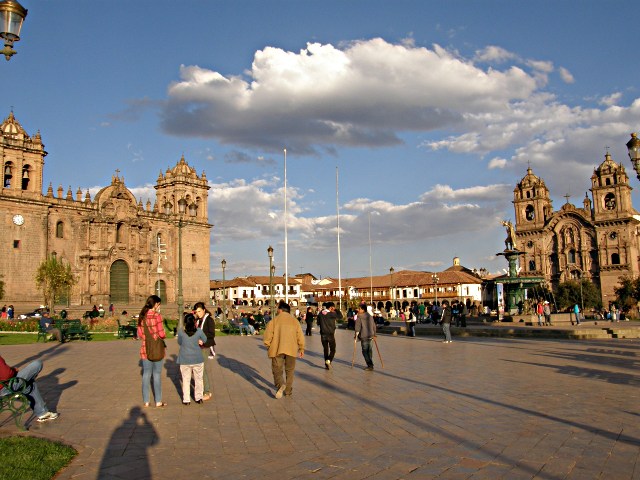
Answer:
(598, 240)
(120, 250)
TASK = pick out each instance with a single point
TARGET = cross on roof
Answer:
(567, 196)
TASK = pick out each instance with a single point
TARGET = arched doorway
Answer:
(160, 289)
(119, 282)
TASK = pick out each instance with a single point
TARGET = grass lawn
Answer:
(32, 458)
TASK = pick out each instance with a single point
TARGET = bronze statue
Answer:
(510, 242)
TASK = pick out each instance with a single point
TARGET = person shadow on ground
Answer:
(247, 372)
(51, 390)
(128, 447)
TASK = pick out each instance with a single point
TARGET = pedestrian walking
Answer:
(446, 321)
(308, 318)
(365, 330)
(546, 308)
(327, 319)
(284, 340)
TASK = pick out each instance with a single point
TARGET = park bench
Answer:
(231, 328)
(73, 329)
(13, 398)
(42, 333)
(128, 330)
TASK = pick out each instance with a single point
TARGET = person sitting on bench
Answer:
(47, 325)
(29, 374)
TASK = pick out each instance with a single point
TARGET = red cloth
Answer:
(154, 323)
(6, 372)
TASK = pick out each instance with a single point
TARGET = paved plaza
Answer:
(480, 408)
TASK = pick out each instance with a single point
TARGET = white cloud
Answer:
(363, 94)
(497, 163)
(494, 54)
(612, 99)
(566, 75)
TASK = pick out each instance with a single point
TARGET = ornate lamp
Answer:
(12, 14)
(633, 146)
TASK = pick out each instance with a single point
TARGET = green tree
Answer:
(570, 293)
(627, 292)
(54, 277)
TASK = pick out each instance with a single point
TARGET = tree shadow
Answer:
(245, 371)
(54, 349)
(127, 451)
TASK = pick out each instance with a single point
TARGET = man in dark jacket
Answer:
(446, 321)
(366, 332)
(327, 319)
(29, 374)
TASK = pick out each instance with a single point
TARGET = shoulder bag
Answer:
(155, 347)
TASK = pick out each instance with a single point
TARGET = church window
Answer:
(529, 244)
(16, 244)
(530, 213)
(613, 235)
(193, 209)
(610, 201)
(59, 230)
(607, 181)
(193, 258)
(528, 194)
(120, 233)
(532, 265)
(571, 257)
(615, 259)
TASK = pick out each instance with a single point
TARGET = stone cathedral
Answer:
(120, 250)
(598, 240)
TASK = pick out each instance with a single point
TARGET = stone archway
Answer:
(119, 282)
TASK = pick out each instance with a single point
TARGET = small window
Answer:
(615, 259)
(193, 257)
(530, 213)
(572, 256)
(59, 230)
(16, 244)
(119, 233)
(532, 265)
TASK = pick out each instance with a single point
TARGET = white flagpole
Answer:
(286, 244)
(339, 262)
(370, 262)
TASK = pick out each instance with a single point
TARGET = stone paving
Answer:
(478, 408)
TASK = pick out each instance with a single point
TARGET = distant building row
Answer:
(401, 287)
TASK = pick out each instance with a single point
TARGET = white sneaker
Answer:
(45, 417)
(280, 392)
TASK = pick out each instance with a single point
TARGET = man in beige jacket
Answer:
(284, 341)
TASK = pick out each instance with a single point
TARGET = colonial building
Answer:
(401, 288)
(120, 250)
(598, 240)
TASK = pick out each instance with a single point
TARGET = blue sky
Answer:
(430, 110)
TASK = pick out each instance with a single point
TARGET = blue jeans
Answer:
(367, 351)
(446, 329)
(150, 368)
(29, 373)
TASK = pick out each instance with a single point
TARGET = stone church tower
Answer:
(598, 241)
(120, 250)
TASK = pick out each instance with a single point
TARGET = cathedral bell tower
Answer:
(531, 203)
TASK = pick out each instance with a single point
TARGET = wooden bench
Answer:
(130, 330)
(73, 329)
(42, 333)
(14, 399)
(231, 328)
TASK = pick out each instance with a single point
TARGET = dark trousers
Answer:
(329, 346)
(309, 327)
(367, 351)
(289, 364)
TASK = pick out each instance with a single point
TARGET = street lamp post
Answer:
(224, 293)
(633, 146)
(271, 272)
(393, 290)
(12, 14)
(435, 279)
(272, 302)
